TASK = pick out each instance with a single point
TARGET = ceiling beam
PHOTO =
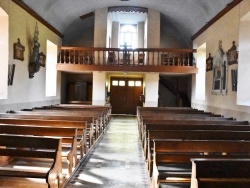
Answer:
(87, 15)
(229, 7)
(37, 16)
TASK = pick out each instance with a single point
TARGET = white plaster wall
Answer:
(109, 31)
(153, 29)
(26, 92)
(140, 26)
(100, 31)
(225, 29)
(115, 35)
(151, 81)
(99, 83)
(153, 33)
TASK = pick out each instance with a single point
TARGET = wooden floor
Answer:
(116, 160)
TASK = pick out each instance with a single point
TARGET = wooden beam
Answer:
(37, 16)
(80, 68)
(229, 7)
(87, 15)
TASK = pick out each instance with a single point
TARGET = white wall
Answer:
(153, 29)
(26, 92)
(151, 81)
(99, 83)
(227, 30)
(140, 35)
(115, 35)
(100, 31)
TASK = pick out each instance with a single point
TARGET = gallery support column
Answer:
(99, 83)
(151, 81)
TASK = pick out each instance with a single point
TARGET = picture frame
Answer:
(19, 50)
(209, 63)
(11, 72)
(232, 55)
(42, 59)
(220, 72)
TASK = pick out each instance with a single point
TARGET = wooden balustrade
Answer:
(117, 56)
(140, 57)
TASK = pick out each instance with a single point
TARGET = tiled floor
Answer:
(116, 161)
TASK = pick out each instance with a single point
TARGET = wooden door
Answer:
(125, 95)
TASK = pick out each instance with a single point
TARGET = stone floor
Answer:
(116, 161)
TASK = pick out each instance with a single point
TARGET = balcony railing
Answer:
(140, 58)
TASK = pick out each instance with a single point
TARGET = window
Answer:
(243, 87)
(51, 72)
(200, 77)
(137, 83)
(115, 83)
(128, 36)
(4, 48)
(121, 83)
(131, 83)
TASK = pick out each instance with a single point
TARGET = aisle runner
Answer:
(117, 160)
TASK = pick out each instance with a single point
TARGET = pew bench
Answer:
(26, 148)
(68, 136)
(65, 115)
(188, 120)
(215, 173)
(186, 125)
(163, 172)
(190, 135)
(82, 127)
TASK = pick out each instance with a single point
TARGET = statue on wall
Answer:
(34, 64)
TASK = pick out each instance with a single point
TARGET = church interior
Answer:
(111, 79)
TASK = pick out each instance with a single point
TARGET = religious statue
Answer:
(34, 64)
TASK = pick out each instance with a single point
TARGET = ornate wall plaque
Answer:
(19, 50)
(209, 63)
(220, 68)
(232, 55)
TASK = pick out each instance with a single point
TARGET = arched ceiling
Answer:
(182, 17)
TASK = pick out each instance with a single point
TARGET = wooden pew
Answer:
(30, 148)
(105, 111)
(98, 116)
(162, 172)
(88, 120)
(191, 135)
(82, 128)
(181, 118)
(68, 136)
(192, 125)
(73, 115)
(217, 173)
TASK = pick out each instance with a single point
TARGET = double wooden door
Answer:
(125, 95)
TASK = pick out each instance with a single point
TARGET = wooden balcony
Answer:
(78, 59)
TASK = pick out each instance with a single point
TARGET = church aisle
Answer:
(116, 161)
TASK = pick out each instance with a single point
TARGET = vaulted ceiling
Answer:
(179, 18)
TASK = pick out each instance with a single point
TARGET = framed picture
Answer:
(209, 63)
(19, 50)
(232, 55)
(42, 59)
(220, 72)
(11, 73)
